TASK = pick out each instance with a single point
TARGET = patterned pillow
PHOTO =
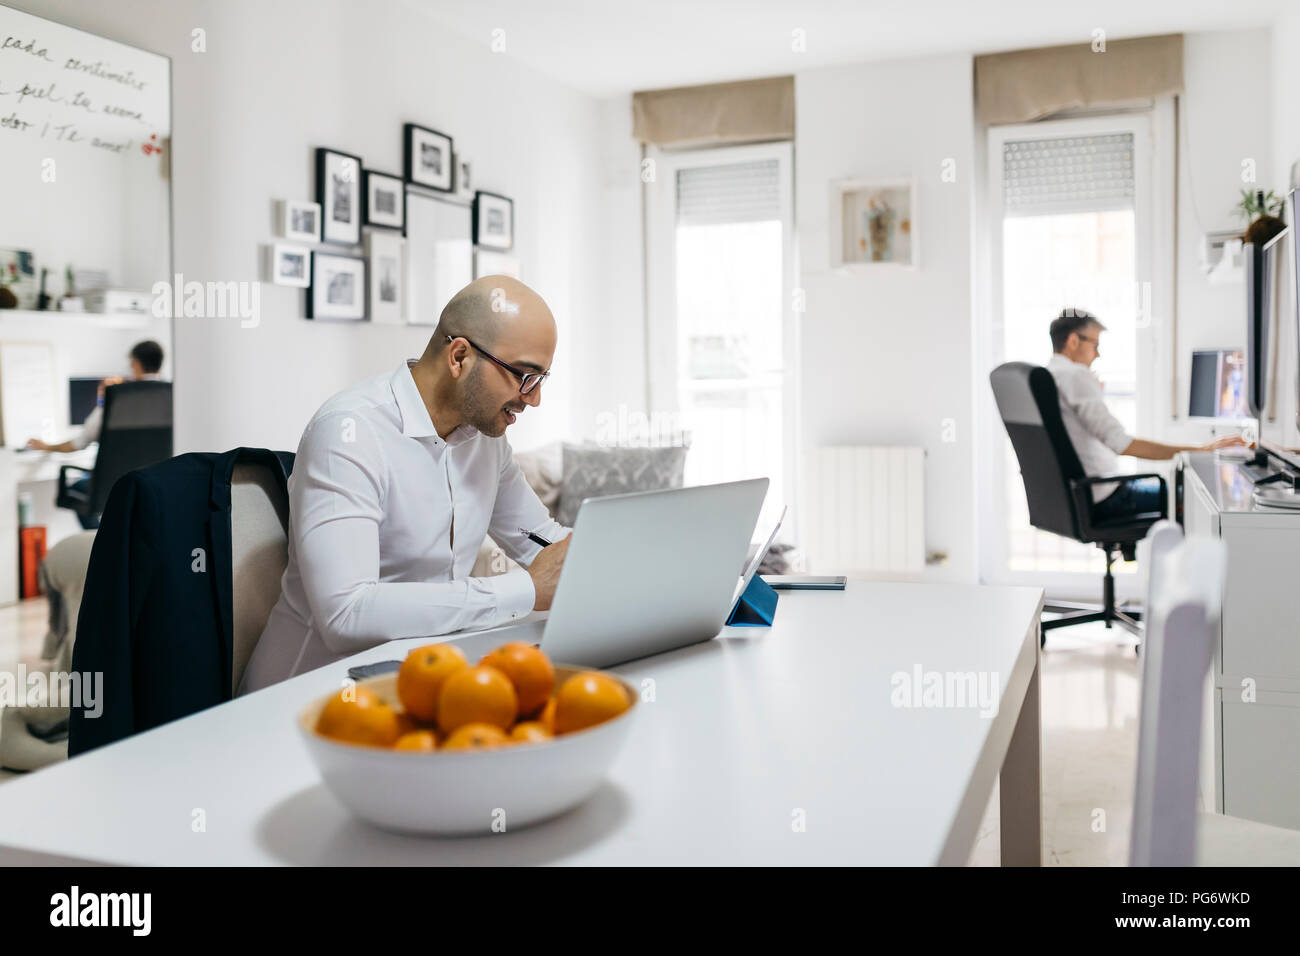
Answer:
(594, 471)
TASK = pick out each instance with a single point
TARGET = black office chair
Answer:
(136, 431)
(1058, 491)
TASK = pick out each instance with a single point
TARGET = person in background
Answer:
(146, 360)
(1097, 435)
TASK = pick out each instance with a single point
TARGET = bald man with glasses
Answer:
(397, 481)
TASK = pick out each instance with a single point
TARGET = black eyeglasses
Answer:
(528, 380)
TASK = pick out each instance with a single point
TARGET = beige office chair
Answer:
(1183, 603)
(259, 551)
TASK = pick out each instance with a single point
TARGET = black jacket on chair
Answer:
(156, 614)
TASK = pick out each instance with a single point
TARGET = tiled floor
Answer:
(1089, 709)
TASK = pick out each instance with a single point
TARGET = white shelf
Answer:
(77, 319)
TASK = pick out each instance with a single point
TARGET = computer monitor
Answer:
(1219, 381)
(83, 396)
(1260, 265)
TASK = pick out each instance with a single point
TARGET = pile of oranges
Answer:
(508, 698)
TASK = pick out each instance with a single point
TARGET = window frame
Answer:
(1153, 264)
(662, 375)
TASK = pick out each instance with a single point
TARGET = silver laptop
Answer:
(651, 571)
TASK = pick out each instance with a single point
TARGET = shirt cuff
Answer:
(1118, 440)
(514, 594)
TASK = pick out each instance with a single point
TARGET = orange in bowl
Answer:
(477, 695)
(421, 741)
(529, 732)
(529, 670)
(420, 680)
(476, 737)
(357, 715)
(586, 699)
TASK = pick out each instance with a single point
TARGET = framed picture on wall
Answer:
(338, 190)
(386, 268)
(290, 265)
(872, 223)
(464, 178)
(385, 200)
(494, 221)
(439, 255)
(338, 287)
(297, 220)
(428, 157)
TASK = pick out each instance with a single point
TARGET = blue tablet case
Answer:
(756, 605)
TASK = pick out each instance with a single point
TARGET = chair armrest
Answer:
(1104, 479)
(63, 474)
(1081, 488)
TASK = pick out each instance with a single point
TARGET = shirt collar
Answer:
(416, 422)
(1060, 361)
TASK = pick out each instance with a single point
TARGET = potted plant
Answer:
(1260, 210)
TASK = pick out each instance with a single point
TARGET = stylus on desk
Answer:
(535, 538)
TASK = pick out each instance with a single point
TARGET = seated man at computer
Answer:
(397, 481)
(146, 359)
(1097, 435)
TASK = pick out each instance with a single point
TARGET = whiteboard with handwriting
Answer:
(84, 141)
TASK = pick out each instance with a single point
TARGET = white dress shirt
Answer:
(1098, 436)
(385, 522)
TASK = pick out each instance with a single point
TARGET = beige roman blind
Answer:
(1027, 85)
(747, 111)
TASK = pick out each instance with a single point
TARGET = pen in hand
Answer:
(535, 538)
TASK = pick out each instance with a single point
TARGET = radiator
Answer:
(867, 509)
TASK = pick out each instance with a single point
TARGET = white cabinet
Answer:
(1251, 761)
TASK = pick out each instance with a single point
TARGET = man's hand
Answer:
(115, 380)
(1228, 441)
(545, 571)
(37, 444)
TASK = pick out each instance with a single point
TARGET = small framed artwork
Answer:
(338, 287)
(494, 221)
(872, 223)
(385, 195)
(428, 157)
(439, 255)
(297, 220)
(290, 265)
(464, 178)
(489, 263)
(338, 190)
(385, 256)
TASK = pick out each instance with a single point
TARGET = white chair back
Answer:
(259, 546)
(1183, 606)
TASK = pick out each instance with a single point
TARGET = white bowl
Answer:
(473, 791)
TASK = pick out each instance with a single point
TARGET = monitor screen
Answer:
(1219, 385)
(83, 395)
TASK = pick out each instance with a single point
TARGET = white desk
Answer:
(744, 731)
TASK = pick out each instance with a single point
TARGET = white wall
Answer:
(278, 79)
(886, 352)
(1226, 117)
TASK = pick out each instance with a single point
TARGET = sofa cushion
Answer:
(591, 470)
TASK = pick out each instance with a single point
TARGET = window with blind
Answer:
(1069, 238)
(719, 267)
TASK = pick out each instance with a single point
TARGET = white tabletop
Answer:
(745, 732)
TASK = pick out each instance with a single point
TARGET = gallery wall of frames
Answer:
(377, 246)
